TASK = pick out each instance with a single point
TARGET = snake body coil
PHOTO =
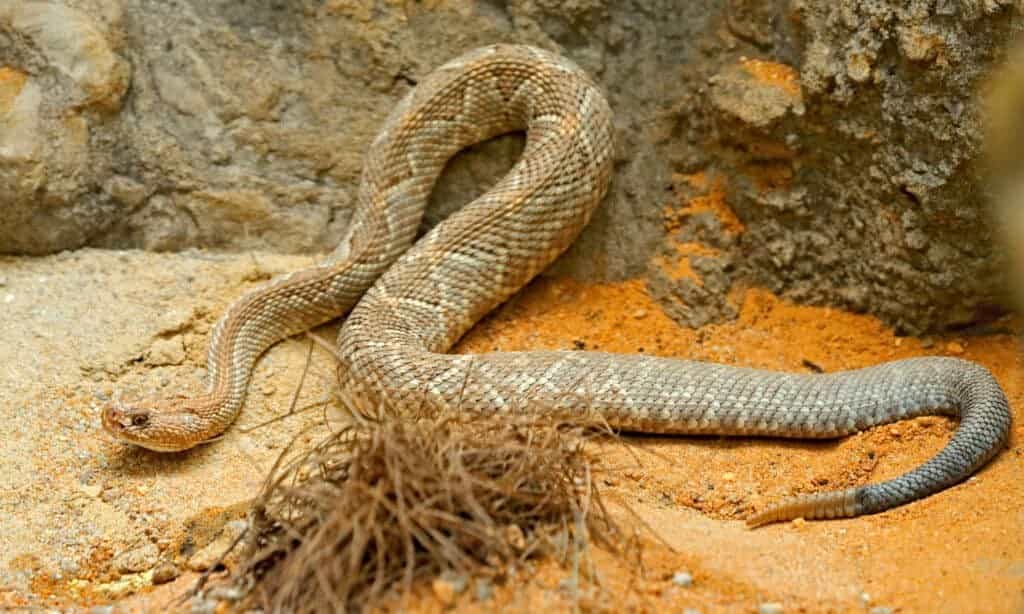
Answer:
(411, 304)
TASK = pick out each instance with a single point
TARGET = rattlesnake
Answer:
(415, 302)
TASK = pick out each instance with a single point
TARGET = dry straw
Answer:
(377, 507)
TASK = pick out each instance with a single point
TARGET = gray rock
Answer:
(484, 589)
(138, 559)
(208, 556)
(246, 129)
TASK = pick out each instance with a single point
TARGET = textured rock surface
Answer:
(165, 125)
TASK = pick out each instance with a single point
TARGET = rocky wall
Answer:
(842, 135)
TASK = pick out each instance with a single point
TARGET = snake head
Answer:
(164, 425)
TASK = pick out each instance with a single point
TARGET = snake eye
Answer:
(140, 420)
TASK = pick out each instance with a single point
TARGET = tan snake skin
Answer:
(424, 298)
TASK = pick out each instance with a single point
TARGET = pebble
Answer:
(165, 573)
(880, 609)
(102, 609)
(728, 476)
(444, 590)
(225, 593)
(449, 585)
(567, 585)
(515, 538)
(69, 566)
(682, 578)
(139, 559)
(769, 608)
(691, 611)
(164, 352)
(640, 314)
(954, 348)
(212, 552)
(484, 590)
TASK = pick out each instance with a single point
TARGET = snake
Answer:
(409, 301)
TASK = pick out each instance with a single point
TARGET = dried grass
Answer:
(378, 507)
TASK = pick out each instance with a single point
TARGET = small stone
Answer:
(93, 490)
(640, 314)
(139, 559)
(165, 572)
(126, 190)
(894, 431)
(444, 591)
(769, 608)
(169, 351)
(799, 522)
(69, 566)
(269, 389)
(954, 348)
(691, 611)
(880, 609)
(208, 556)
(225, 593)
(102, 609)
(484, 590)
(457, 580)
(728, 476)
(8, 298)
(682, 578)
(515, 538)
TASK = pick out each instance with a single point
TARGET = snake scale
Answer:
(410, 303)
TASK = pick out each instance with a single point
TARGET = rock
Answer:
(126, 190)
(447, 587)
(770, 608)
(234, 139)
(878, 609)
(484, 590)
(75, 44)
(683, 579)
(136, 560)
(757, 93)
(515, 537)
(166, 351)
(165, 572)
(208, 556)
(91, 490)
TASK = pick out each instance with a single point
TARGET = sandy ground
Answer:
(75, 502)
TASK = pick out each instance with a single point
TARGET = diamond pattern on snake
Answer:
(407, 304)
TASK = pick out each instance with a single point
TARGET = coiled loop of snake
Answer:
(415, 303)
